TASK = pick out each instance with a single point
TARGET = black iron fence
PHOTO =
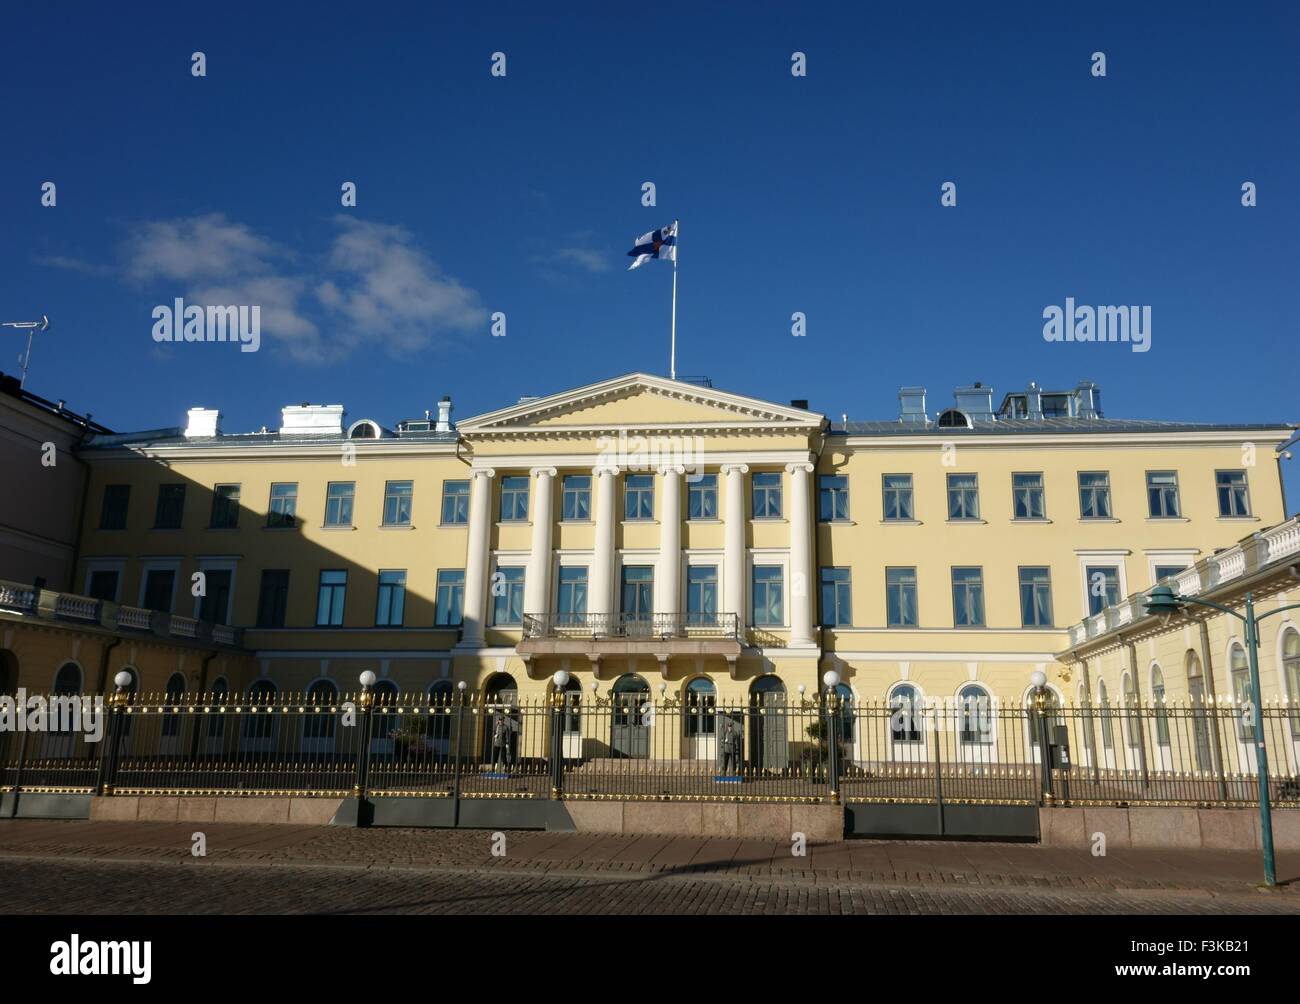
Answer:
(639, 746)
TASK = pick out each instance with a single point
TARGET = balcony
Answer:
(660, 635)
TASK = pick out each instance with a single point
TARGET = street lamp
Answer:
(367, 679)
(1162, 600)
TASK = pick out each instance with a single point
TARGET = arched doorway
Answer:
(629, 734)
(700, 721)
(320, 720)
(1200, 720)
(61, 742)
(768, 740)
(441, 713)
(571, 724)
(501, 721)
(8, 671)
(170, 726)
(384, 721)
(258, 733)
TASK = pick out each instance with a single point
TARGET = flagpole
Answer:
(677, 240)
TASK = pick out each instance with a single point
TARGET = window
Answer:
(1162, 494)
(1094, 495)
(455, 503)
(900, 597)
(639, 496)
(225, 507)
(171, 504)
(1131, 724)
(702, 497)
(1103, 587)
(571, 597)
(1027, 493)
(514, 499)
(976, 709)
(577, 497)
(905, 721)
(321, 694)
(898, 496)
(1161, 711)
(768, 596)
(832, 497)
(397, 503)
(260, 726)
(968, 597)
(1056, 405)
(159, 585)
(390, 603)
(963, 496)
(338, 503)
(1291, 671)
(837, 597)
(112, 516)
(273, 599)
(767, 495)
(450, 600)
(508, 589)
(283, 507)
(214, 605)
(329, 599)
(701, 701)
(103, 584)
(701, 595)
(170, 726)
(1239, 667)
(638, 592)
(1036, 597)
(1165, 571)
(1234, 495)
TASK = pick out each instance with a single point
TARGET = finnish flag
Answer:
(660, 244)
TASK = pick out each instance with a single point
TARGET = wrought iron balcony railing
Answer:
(648, 626)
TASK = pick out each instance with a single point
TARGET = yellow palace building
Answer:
(648, 534)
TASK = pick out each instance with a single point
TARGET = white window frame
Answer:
(159, 565)
(222, 564)
(94, 565)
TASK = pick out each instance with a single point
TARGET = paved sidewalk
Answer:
(942, 865)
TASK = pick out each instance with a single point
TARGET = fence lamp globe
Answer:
(831, 679)
(1037, 679)
(368, 679)
(123, 680)
(560, 678)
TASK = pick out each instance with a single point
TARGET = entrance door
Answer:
(767, 726)
(501, 695)
(630, 731)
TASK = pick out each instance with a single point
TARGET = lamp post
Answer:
(561, 680)
(1038, 680)
(832, 680)
(1163, 600)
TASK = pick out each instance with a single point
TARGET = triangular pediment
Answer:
(639, 401)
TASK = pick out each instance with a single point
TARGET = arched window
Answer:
(953, 419)
(905, 721)
(1200, 723)
(259, 720)
(319, 719)
(441, 701)
(501, 689)
(1130, 711)
(976, 709)
(845, 711)
(1158, 702)
(1239, 668)
(217, 694)
(384, 722)
(1291, 671)
(701, 705)
(68, 679)
(364, 429)
(1103, 702)
(171, 723)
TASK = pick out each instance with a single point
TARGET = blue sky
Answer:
(522, 194)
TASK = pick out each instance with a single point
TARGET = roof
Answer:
(11, 386)
(1044, 426)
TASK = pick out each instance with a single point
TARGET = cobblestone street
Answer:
(89, 868)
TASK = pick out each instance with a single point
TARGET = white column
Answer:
(600, 580)
(668, 589)
(801, 570)
(733, 559)
(537, 579)
(476, 558)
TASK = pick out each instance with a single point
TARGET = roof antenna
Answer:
(31, 328)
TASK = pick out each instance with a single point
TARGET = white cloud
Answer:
(374, 284)
(592, 261)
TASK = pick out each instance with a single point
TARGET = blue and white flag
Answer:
(660, 244)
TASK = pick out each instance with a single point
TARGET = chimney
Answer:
(975, 402)
(1035, 398)
(1087, 400)
(311, 420)
(444, 415)
(799, 402)
(911, 406)
(202, 423)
